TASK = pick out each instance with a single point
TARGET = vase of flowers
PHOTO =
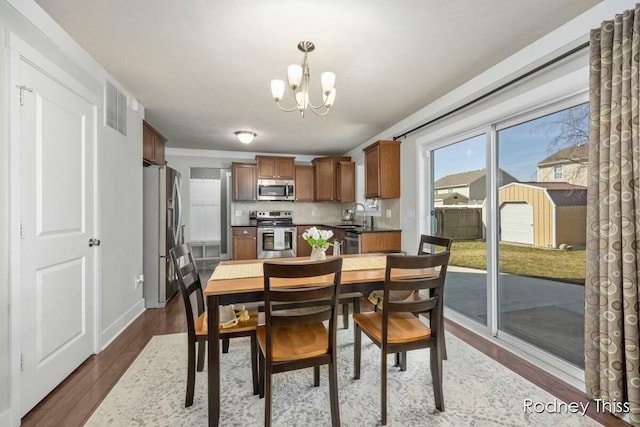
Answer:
(319, 242)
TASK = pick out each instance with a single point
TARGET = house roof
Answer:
(562, 193)
(455, 195)
(573, 154)
(459, 179)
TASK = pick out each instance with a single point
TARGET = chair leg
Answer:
(398, 361)
(383, 391)
(191, 372)
(254, 368)
(202, 346)
(403, 361)
(267, 397)
(225, 345)
(345, 316)
(357, 344)
(333, 393)
(261, 374)
(316, 376)
(436, 375)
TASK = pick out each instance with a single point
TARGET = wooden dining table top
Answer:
(229, 286)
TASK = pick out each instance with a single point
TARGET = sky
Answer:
(520, 149)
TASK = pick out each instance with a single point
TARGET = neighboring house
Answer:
(543, 214)
(470, 185)
(453, 198)
(566, 165)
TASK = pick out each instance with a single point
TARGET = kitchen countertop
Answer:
(243, 225)
(355, 228)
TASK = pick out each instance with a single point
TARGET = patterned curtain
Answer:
(612, 369)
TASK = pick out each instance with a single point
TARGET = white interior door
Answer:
(57, 320)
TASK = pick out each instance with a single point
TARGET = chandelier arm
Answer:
(319, 106)
(285, 109)
(326, 111)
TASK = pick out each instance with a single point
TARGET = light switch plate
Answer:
(388, 213)
(238, 213)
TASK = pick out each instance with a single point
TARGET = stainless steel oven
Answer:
(276, 234)
(275, 189)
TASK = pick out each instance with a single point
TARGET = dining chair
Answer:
(189, 283)
(398, 328)
(298, 338)
(428, 245)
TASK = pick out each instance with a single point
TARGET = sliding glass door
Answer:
(517, 216)
(541, 209)
(459, 186)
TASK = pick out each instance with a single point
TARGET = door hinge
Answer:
(21, 362)
(21, 230)
(22, 89)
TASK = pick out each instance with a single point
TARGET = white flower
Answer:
(317, 238)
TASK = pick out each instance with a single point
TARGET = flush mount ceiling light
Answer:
(298, 77)
(245, 136)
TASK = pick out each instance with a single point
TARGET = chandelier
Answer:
(298, 77)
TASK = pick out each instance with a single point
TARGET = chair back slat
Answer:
(188, 282)
(433, 244)
(420, 272)
(320, 301)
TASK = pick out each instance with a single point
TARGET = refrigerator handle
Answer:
(177, 198)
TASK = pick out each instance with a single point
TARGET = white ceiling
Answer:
(202, 68)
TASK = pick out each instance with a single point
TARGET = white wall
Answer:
(119, 180)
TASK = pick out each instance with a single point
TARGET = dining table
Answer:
(242, 281)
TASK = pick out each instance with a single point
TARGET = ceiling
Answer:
(202, 68)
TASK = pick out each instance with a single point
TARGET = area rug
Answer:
(477, 390)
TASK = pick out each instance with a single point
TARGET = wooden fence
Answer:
(459, 222)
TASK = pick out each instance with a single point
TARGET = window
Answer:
(557, 171)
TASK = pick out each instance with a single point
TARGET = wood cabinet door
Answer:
(372, 172)
(244, 182)
(304, 183)
(381, 242)
(148, 144)
(284, 167)
(266, 167)
(159, 150)
(324, 176)
(245, 247)
(303, 248)
(346, 182)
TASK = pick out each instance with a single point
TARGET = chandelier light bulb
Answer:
(277, 90)
(328, 81)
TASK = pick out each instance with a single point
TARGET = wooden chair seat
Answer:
(295, 342)
(249, 325)
(403, 327)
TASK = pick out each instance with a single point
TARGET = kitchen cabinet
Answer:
(389, 241)
(346, 182)
(304, 183)
(245, 243)
(382, 170)
(302, 247)
(153, 144)
(244, 182)
(271, 167)
(325, 171)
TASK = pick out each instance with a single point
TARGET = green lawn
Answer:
(567, 266)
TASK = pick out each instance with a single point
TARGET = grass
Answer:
(567, 266)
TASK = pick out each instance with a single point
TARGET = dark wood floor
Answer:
(73, 401)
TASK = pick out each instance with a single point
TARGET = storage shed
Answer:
(543, 214)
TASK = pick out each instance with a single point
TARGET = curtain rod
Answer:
(499, 88)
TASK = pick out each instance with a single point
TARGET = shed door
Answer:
(516, 222)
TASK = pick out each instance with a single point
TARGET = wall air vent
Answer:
(116, 109)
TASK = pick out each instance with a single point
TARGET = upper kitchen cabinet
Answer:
(382, 170)
(270, 167)
(326, 179)
(304, 183)
(346, 182)
(245, 182)
(152, 145)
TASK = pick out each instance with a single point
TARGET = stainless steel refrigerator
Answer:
(162, 230)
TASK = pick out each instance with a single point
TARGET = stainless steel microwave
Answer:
(275, 189)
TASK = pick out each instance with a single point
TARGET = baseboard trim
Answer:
(116, 328)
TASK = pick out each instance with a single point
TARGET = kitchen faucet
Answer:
(364, 209)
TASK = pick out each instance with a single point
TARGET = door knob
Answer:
(94, 242)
